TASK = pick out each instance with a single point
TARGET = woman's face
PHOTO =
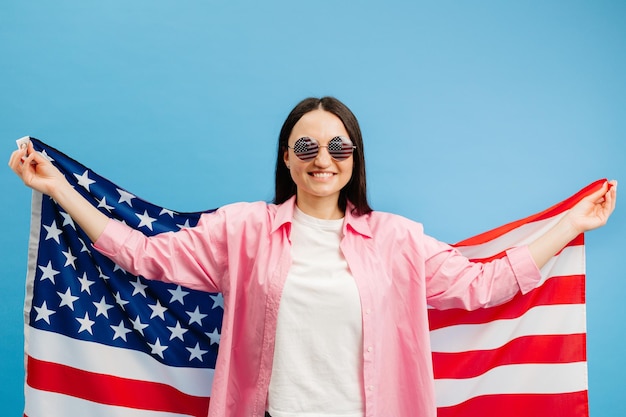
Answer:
(322, 178)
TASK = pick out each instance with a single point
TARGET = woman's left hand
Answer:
(594, 210)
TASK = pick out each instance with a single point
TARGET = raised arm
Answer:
(39, 174)
(590, 213)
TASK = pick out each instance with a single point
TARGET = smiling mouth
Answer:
(321, 174)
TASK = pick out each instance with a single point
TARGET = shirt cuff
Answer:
(112, 238)
(524, 268)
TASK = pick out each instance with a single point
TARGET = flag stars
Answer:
(120, 331)
(218, 301)
(67, 220)
(120, 301)
(47, 272)
(103, 204)
(138, 325)
(67, 299)
(85, 284)
(157, 310)
(70, 259)
(196, 316)
(102, 308)
(43, 313)
(125, 197)
(168, 212)
(196, 353)
(157, 348)
(84, 180)
(145, 220)
(53, 232)
(177, 331)
(85, 324)
(178, 294)
(139, 288)
(214, 336)
(186, 225)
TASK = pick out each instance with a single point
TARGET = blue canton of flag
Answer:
(109, 331)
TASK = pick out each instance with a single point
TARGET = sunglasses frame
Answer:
(310, 155)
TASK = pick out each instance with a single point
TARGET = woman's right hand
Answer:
(36, 171)
(40, 174)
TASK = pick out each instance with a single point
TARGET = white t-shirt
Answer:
(317, 368)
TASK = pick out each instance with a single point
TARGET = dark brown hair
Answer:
(355, 191)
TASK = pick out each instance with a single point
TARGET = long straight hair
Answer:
(356, 190)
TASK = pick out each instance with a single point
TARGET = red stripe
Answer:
(527, 349)
(555, 291)
(572, 404)
(551, 212)
(111, 390)
(577, 241)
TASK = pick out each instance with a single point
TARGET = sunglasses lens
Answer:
(305, 149)
(340, 148)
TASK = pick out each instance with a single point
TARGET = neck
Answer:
(322, 208)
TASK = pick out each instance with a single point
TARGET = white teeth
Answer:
(322, 174)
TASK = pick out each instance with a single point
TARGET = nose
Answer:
(323, 158)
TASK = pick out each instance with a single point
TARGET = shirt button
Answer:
(370, 388)
(369, 349)
(368, 311)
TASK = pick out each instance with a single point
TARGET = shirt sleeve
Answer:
(193, 257)
(453, 281)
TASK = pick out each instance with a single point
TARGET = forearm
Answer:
(88, 217)
(551, 242)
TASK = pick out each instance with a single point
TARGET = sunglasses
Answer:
(339, 148)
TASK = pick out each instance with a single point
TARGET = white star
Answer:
(85, 323)
(84, 248)
(120, 331)
(118, 268)
(121, 302)
(157, 349)
(67, 220)
(43, 312)
(145, 220)
(67, 299)
(168, 212)
(177, 331)
(196, 316)
(84, 180)
(138, 325)
(85, 284)
(178, 294)
(157, 310)
(47, 272)
(139, 288)
(196, 352)
(101, 273)
(45, 155)
(218, 301)
(214, 336)
(125, 197)
(69, 258)
(53, 232)
(102, 308)
(103, 204)
(184, 226)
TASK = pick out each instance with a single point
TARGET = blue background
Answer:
(474, 113)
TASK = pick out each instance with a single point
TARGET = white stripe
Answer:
(50, 404)
(541, 320)
(125, 363)
(514, 379)
(519, 236)
(571, 261)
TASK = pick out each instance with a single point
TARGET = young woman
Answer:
(325, 300)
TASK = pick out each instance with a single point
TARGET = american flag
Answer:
(101, 342)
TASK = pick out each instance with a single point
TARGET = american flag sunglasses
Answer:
(339, 148)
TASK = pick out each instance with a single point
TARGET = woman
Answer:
(325, 299)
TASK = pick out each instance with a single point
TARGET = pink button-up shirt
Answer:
(243, 251)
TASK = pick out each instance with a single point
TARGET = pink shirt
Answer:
(243, 251)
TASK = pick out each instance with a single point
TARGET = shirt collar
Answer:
(284, 216)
